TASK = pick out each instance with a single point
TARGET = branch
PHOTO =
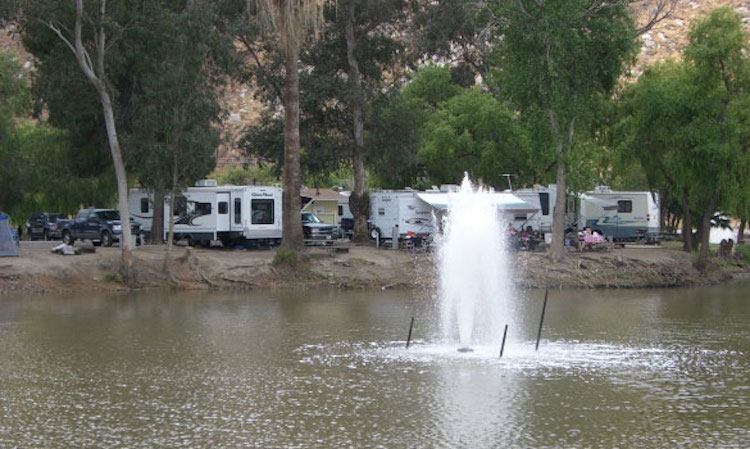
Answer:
(664, 9)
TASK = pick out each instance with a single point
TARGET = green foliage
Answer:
(285, 258)
(743, 252)
(473, 132)
(246, 175)
(113, 277)
(397, 127)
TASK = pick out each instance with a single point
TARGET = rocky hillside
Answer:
(665, 40)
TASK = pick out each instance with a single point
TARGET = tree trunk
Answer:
(741, 231)
(359, 202)
(170, 235)
(292, 220)
(157, 223)
(663, 204)
(122, 185)
(706, 229)
(557, 249)
(687, 225)
(94, 71)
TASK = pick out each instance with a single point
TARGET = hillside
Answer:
(664, 41)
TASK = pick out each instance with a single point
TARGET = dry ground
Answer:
(361, 266)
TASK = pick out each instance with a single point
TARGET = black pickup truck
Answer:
(102, 225)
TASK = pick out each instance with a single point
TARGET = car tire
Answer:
(106, 238)
(67, 237)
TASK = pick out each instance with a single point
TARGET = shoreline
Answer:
(37, 271)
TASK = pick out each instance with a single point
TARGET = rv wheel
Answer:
(375, 233)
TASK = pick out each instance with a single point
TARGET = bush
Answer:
(742, 251)
(285, 258)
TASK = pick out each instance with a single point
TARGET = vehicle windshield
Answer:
(108, 214)
(310, 218)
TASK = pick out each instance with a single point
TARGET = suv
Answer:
(43, 225)
(314, 230)
(101, 225)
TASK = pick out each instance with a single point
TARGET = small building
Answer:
(327, 204)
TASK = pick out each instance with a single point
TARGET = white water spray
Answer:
(475, 281)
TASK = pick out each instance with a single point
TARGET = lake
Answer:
(325, 369)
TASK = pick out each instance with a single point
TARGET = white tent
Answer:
(8, 246)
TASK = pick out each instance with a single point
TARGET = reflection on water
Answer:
(329, 369)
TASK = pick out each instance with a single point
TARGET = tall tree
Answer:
(718, 51)
(557, 58)
(293, 21)
(95, 72)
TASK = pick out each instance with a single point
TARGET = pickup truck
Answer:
(43, 225)
(102, 225)
(315, 231)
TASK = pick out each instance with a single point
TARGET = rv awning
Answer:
(604, 204)
(504, 201)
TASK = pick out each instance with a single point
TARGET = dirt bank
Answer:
(39, 271)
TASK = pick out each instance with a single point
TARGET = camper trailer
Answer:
(207, 213)
(625, 216)
(402, 208)
(543, 198)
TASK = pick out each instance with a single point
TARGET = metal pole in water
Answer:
(502, 346)
(408, 339)
(541, 320)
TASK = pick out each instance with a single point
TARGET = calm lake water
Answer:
(630, 368)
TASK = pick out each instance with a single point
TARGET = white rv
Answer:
(543, 198)
(625, 216)
(402, 208)
(208, 212)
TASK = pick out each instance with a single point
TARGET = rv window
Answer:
(261, 211)
(237, 211)
(341, 210)
(381, 211)
(223, 207)
(519, 217)
(144, 205)
(544, 202)
(180, 206)
(202, 208)
(624, 206)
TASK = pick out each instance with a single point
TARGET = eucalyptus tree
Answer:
(688, 123)
(718, 52)
(182, 58)
(94, 69)
(557, 58)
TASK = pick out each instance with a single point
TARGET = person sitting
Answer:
(592, 239)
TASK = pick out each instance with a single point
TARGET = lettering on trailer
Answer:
(419, 221)
(385, 199)
(261, 194)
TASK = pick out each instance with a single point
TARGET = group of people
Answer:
(527, 239)
(585, 240)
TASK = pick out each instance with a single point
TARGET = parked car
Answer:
(315, 231)
(98, 225)
(43, 225)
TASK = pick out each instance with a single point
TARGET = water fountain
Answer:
(475, 277)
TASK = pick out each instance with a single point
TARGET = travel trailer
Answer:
(208, 213)
(625, 216)
(544, 198)
(402, 208)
